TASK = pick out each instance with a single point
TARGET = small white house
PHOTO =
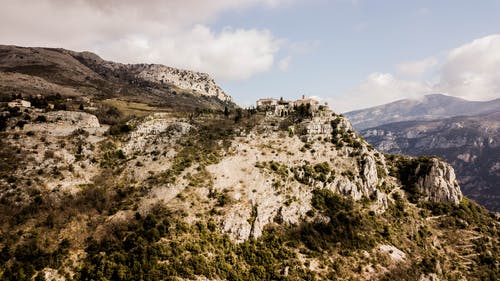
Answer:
(19, 103)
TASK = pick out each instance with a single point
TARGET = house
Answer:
(19, 103)
(305, 101)
(263, 104)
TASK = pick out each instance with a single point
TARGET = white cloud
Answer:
(471, 71)
(295, 49)
(417, 68)
(174, 33)
(284, 63)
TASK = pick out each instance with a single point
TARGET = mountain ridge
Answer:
(429, 107)
(86, 74)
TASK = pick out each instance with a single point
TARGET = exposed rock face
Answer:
(198, 82)
(154, 129)
(63, 123)
(469, 144)
(256, 179)
(79, 119)
(439, 183)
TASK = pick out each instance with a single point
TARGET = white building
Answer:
(19, 103)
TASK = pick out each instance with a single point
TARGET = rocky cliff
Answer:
(128, 189)
(219, 197)
(199, 83)
(470, 144)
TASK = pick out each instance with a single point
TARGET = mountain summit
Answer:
(427, 108)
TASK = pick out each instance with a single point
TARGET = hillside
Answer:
(238, 196)
(429, 107)
(84, 76)
(470, 144)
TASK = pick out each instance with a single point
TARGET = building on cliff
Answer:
(281, 107)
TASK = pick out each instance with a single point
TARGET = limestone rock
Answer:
(440, 183)
(78, 119)
(198, 82)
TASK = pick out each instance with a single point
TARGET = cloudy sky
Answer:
(350, 53)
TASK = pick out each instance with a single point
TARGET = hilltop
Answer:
(236, 196)
(116, 177)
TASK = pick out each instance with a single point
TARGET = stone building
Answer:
(281, 107)
(19, 103)
(266, 104)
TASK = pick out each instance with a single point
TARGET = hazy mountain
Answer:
(470, 144)
(49, 71)
(429, 107)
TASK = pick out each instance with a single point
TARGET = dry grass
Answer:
(133, 108)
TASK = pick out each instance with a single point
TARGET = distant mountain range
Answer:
(469, 143)
(429, 107)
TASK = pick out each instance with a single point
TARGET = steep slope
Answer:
(46, 71)
(429, 107)
(246, 196)
(470, 144)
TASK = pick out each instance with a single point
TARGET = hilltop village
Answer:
(281, 107)
(315, 119)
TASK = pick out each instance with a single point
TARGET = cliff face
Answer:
(469, 144)
(196, 82)
(199, 83)
(427, 179)
(210, 197)
(440, 184)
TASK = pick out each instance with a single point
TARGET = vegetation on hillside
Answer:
(82, 237)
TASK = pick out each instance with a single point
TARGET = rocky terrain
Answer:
(429, 107)
(236, 196)
(470, 144)
(49, 71)
(144, 172)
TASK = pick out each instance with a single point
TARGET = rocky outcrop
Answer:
(64, 123)
(155, 129)
(200, 83)
(427, 179)
(439, 184)
(470, 144)
(195, 82)
(79, 119)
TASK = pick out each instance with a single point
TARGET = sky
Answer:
(351, 54)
